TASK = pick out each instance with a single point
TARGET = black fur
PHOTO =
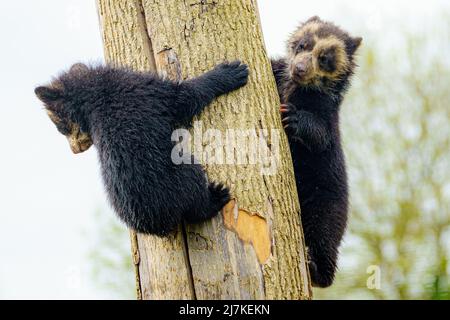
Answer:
(311, 117)
(130, 117)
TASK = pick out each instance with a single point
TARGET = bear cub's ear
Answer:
(79, 68)
(355, 43)
(47, 94)
(314, 19)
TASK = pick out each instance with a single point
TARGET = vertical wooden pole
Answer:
(254, 249)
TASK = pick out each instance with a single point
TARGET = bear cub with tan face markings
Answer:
(130, 116)
(312, 80)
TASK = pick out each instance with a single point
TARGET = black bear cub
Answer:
(129, 116)
(312, 80)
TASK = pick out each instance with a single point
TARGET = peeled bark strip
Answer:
(254, 249)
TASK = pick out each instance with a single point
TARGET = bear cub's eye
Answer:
(63, 129)
(301, 46)
(323, 59)
(327, 61)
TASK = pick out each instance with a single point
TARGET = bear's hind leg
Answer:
(322, 267)
(218, 197)
(324, 223)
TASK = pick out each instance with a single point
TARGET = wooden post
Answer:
(254, 249)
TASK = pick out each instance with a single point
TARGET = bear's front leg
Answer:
(224, 78)
(195, 94)
(305, 127)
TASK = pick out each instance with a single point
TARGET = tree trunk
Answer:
(254, 249)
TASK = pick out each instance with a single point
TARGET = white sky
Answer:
(48, 195)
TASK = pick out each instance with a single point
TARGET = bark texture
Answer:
(254, 249)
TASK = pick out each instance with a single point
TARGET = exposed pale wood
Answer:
(248, 256)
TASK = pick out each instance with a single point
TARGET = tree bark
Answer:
(254, 249)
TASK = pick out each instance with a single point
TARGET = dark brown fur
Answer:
(312, 80)
(130, 116)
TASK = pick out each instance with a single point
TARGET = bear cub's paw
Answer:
(220, 196)
(318, 279)
(289, 117)
(233, 74)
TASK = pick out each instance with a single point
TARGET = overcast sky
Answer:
(48, 195)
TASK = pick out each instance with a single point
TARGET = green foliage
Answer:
(111, 267)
